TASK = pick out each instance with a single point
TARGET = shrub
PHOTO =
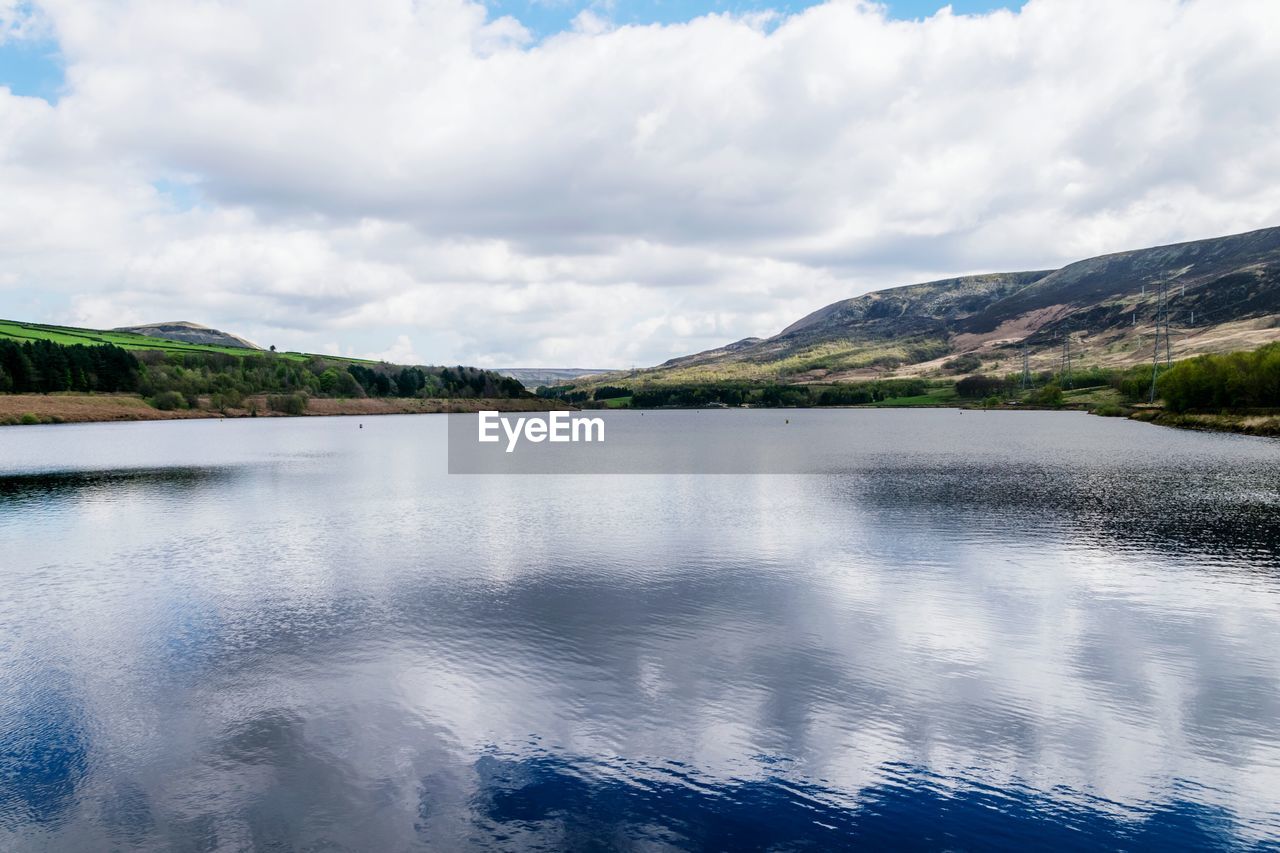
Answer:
(231, 399)
(288, 404)
(29, 419)
(966, 363)
(167, 401)
(1049, 395)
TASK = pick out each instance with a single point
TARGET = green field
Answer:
(1092, 398)
(70, 335)
(937, 396)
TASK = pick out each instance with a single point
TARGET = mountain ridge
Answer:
(532, 377)
(1225, 294)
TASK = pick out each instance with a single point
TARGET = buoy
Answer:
(788, 420)
(361, 426)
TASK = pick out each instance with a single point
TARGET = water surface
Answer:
(988, 630)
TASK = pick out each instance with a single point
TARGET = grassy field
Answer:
(70, 335)
(67, 408)
(1092, 398)
(618, 403)
(938, 396)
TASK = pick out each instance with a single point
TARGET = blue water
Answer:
(988, 631)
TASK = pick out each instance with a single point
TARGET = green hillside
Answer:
(188, 377)
(68, 335)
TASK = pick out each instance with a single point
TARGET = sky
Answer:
(564, 183)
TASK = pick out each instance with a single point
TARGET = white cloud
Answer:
(19, 20)
(612, 194)
(400, 352)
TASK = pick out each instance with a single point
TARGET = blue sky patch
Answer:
(547, 17)
(182, 195)
(32, 68)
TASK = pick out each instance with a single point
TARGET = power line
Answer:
(1065, 370)
(1162, 328)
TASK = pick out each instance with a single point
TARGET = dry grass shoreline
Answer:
(16, 409)
(1246, 424)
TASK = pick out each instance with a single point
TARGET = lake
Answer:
(988, 630)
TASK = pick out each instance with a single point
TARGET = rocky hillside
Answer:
(191, 333)
(1224, 294)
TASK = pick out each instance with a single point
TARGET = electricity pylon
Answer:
(1164, 339)
(1064, 371)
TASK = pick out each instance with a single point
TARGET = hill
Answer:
(42, 368)
(188, 332)
(20, 331)
(1224, 294)
(532, 377)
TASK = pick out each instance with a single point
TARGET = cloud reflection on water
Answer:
(941, 654)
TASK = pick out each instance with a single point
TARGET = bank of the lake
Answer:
(28, 409)
(91, 408)
(1245, 423)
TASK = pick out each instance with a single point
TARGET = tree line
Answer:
(698, 394)
(1236, 380)
(178, 380)
(44, 366)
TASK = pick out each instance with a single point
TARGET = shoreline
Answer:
(37, 409)
(65, 408)
(1262, 425)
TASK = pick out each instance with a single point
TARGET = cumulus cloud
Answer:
(611, 194)
(400, 352)
(20, 21)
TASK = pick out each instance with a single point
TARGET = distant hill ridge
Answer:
(1224, 294)
(532, 377)
(191, 333)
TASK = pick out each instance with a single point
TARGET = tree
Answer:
(1049, 395)
(610, 392)
(981, 385)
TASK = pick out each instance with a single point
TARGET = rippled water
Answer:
(989, 630)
